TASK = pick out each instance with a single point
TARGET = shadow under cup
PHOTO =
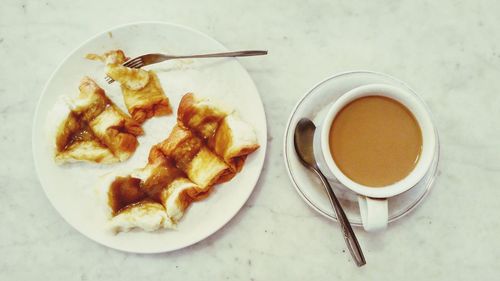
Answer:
(373, 200)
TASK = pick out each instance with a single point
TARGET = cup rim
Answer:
(413, 103)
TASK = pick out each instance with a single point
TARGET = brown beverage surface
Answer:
(375, 141)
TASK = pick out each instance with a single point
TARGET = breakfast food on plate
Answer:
(150, 198)
(142, 91)
(208, 145)
(193, 157)
(147, 215)
(201, 115)
(224, 132)
(76, 142)
(92, 128)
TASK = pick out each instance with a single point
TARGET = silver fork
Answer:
(148, 59)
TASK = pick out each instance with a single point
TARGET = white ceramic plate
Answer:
(314, 106)
(71, 188)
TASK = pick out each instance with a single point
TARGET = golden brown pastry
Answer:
(142, 91)
(207, 146)
(200, 115)
(193, 157)
(147, 102)
(225, 133)
(95, 129)
(147, 215)
(150, 198)
(234, 140)
(117, 131)
(177, 198)
(76, 142)
(111, 57)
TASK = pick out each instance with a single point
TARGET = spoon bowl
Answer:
(303, 141)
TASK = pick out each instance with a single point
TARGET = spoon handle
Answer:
(349, 236)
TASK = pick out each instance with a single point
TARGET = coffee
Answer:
(375, 141)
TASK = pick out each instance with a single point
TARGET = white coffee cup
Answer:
(373, 200)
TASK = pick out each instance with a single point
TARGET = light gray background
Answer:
(449, 51)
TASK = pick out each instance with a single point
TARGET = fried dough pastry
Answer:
(233, 141)
(224, 132)
(142, 91)
(151, 198)
(201, 115)
(94, 129)
(193, 157)
(76, 142)
(208, 145)
(147, 215)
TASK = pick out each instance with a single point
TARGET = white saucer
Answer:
(314, 105)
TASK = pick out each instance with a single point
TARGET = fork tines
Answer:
(134, 63)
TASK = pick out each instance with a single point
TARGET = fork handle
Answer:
(225, 54)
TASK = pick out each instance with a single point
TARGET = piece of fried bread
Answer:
(141, 89)
(92, 128)
(225, 133)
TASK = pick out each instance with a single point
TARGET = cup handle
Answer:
(374, 213)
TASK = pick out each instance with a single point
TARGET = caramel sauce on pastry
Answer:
(160, 178)
(142, 92)
(123, 192)
(222, 131)
(95, 129)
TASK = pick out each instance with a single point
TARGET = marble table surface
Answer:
(449, 51)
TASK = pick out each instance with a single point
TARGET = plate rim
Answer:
(43, 92)
(288, 128)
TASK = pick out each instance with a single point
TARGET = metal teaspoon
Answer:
(303, 140)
